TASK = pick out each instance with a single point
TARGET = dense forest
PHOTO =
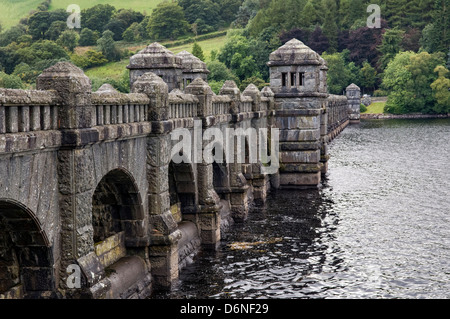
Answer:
(406, 58)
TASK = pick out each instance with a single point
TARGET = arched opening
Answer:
(26, 261)
(116, 207)
(183, 206)
(182, 189)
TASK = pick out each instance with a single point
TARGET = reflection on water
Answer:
(378, 227)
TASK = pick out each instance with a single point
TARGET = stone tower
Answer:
(159, 60)
(298, 79)
(193, 68)
(354, 102)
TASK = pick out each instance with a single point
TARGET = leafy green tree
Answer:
(167, 21)
(41, 50)
(338, 74)
(88, 37)
(129, 16)
(235, 43)
(219, 72)
(108, 46)
(441, 90)
(329, 27)
(117, 26)
(10, 81)
(246, 12)
(12, 34)
(244, 66)
(96, 17)
(55, 30)
(198, 51)
(39, 22)
(69, 40)
(132, 33)
(408, 78)
(368, 76)
(205, 13)
(390, 45)
(309, 15)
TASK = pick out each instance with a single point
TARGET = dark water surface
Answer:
(378, 228)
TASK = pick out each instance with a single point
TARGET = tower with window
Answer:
(298, 78)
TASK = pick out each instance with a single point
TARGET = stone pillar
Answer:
(75, 181)
(164, 233)
(238, 184)
(296, 78)
(354, 103)
(208, 212)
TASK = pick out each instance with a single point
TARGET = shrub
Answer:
(10, 81)
(362, 108)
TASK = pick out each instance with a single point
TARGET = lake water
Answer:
(379, 227)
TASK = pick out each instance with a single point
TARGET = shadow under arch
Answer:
(26, 258)
(117, 207)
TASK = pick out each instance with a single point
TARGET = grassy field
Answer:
(144, 6)
(115, 70)
(376, 108)
(11, 11)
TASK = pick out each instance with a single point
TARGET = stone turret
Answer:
(193, 68)
(295, 68)
(298, 79)
(354, 102)
(157, 59)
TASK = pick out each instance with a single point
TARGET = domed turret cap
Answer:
(294, 52)
(154, 56)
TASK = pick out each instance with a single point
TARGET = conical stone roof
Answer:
(154, 56)
(294, 52)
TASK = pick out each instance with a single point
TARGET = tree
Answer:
(41, 50)
(88, 37)
(55, 30)
(390, 45)
(205, 13)
(69, 40)
(132, 33)
(246, 12)
(338, 74)
(12, 34)
(167, 21)
(235, 43)
(117, 27)
(39, 22)
(96, 17)
(329, 27)
(441, 90)
(197, 51)
(10, 81)
(309, 15)
(108, 46)
(318, 41)
(219, 72)
(244, 66)
(368, 76)
(408, 78)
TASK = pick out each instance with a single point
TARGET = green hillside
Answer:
(137, 5)
(11, 11)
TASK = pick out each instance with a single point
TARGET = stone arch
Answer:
(26, 259)
(182, 190)
(117, 207)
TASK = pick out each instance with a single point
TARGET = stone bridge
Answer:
(92, 203)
